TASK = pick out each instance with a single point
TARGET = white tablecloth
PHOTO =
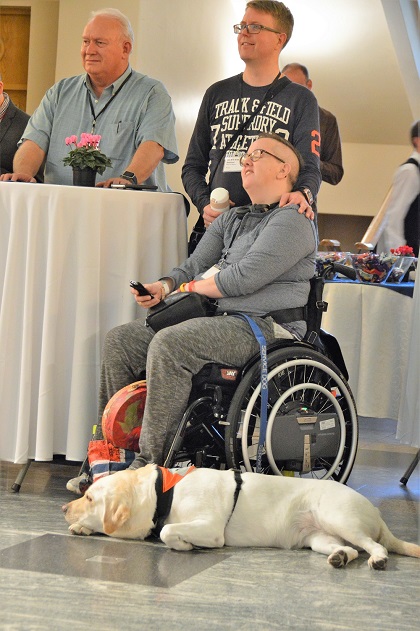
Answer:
(373, 326)
(408, 429)
(66, 257)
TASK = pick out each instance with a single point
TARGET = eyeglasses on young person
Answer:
(256, 155)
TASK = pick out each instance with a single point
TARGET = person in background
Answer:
(331, 160)
(12, 123)
(256, 259)
(402, 218)
(291, 112)
(132, 112)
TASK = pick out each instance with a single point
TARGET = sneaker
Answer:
(80, 484)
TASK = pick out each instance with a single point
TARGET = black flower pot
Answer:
(84, 177)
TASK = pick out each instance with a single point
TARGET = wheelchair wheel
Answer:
(312, 427)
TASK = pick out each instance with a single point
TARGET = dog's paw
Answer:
(173, 540)
(378, 563)
(338, 558)
(176, 543)
(78, 529)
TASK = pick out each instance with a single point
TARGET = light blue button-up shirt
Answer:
(141, 111)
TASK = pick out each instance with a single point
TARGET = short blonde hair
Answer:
(282, 14)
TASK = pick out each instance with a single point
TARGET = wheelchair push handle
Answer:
(339, 268)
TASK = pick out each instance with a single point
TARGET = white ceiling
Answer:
(363, 58)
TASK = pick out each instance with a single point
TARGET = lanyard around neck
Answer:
(266, 96)
(273, 89)
(95, 117)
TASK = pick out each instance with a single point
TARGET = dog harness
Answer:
(164, 486)
(238, 480)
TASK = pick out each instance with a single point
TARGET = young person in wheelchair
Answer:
(256, 259)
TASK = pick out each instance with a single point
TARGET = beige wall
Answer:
(42, 46)
(76, 13)
(189, 44)
(368, 171)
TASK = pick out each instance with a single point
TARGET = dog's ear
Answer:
(116, 514)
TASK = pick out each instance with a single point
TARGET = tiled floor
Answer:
(52, 580)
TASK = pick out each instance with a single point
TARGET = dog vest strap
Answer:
(164, 487)
(238, 480)
(264, 386)
(163, 504)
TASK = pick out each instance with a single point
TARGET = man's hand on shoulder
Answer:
(298, 198)
(16, 177)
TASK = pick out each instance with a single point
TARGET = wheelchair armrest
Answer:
(345, 270)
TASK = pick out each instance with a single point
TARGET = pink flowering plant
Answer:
(86, 153)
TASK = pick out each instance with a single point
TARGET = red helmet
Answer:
(123, 415)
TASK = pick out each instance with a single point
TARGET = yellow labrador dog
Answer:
(211, 508)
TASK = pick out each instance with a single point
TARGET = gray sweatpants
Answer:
(171, 358)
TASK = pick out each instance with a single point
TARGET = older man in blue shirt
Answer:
(132, 112)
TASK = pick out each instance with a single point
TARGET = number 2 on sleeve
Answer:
(316, 143)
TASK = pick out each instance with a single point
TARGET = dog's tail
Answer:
(393, 544)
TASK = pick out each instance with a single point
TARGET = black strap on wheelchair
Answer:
(264, 386)
(315, 308)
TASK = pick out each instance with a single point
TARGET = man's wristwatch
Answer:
(129, 175)
(307, 193)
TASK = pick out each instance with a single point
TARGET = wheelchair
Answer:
(312, 425)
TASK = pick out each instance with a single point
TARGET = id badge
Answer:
(231, 162)
(215, 269)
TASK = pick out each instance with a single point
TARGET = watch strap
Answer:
(307, 194)
(130, 176)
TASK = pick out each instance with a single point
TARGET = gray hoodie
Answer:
(266, 259)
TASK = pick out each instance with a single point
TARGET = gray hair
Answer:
(120, 17)
(295, 66)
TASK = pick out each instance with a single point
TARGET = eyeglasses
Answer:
(252, 29)
(256, 155)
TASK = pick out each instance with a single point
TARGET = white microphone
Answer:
(219, 200)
